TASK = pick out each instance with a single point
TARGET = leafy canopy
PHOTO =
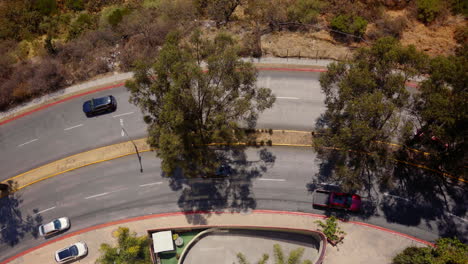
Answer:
(365, 100)
(130, 249)
(447, 251)
(186, 108)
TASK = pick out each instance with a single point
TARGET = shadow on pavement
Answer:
(232, 191)
(421, 197)
(13, 224)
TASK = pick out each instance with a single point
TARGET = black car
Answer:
(99, 105)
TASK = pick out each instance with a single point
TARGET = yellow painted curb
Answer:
(120, 150)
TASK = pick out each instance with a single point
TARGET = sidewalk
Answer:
(362, 244)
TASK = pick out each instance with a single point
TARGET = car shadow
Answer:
(231, 192)
(14, 225)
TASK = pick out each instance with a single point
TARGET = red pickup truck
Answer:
(328, 199)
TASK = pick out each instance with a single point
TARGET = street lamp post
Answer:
(124, 132)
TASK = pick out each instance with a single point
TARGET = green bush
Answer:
(76, 5)
(83, 22)
(447, 250)
(428, 10)
(46, 7)
(354, 25)
(305, 11)
(113, 15)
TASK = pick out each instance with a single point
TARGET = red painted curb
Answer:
(393, 232)
(139, 218)
(60, 101)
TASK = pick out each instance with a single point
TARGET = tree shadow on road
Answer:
(420, 197)
(231, 192)
(14, 225)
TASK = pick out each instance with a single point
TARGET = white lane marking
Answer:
(285, 97)
(68, 128)
(96, 195)
(45, 210)
(124, 114)
(149, 184)
(397, 197)
(267, 179)
(31, 141)
(3, 228)
(461, 218)
(121, 125)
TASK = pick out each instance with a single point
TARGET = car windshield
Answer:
(64, 254)
(57, 224)
(74, 250)
(101, 101)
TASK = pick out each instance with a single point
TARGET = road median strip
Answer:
(260, 137)
(102, 154)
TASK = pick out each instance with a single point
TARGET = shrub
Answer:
(447, 250)
(112, 16)
(305, 11)
(389, 27)
(76, 5)
(83, 22)
(46, 7)
(354, 25)
(331, 229)
(428, 10)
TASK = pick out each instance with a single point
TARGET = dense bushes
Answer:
(348, 24)
(447, 250)
(305, 11)
(428, 10)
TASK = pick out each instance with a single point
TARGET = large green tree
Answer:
(442, 110)
(130, 249)
(366, 100)
(196, 94)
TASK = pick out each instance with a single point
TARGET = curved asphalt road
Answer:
(278, 178)
(63, 129)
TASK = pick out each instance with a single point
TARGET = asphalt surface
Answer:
(63, 129)
(275, 178)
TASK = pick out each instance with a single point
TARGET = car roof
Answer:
(49, 227)
(101, 101)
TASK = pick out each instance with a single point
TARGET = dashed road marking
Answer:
(397, 197)
(267, 179)
(150, 184)
(461, 218)
(31, 141)
(45, 210)
(124, 114)
(68, 128)
(97, 195)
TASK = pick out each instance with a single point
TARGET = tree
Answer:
(442, 111)
(187, 109)
(366, 100)
(221, 10)
(130, 249)
(446, 251)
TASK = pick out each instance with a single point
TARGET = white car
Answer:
(54, 226)
(71, 252)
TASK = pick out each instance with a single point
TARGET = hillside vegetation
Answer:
(49, 44)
